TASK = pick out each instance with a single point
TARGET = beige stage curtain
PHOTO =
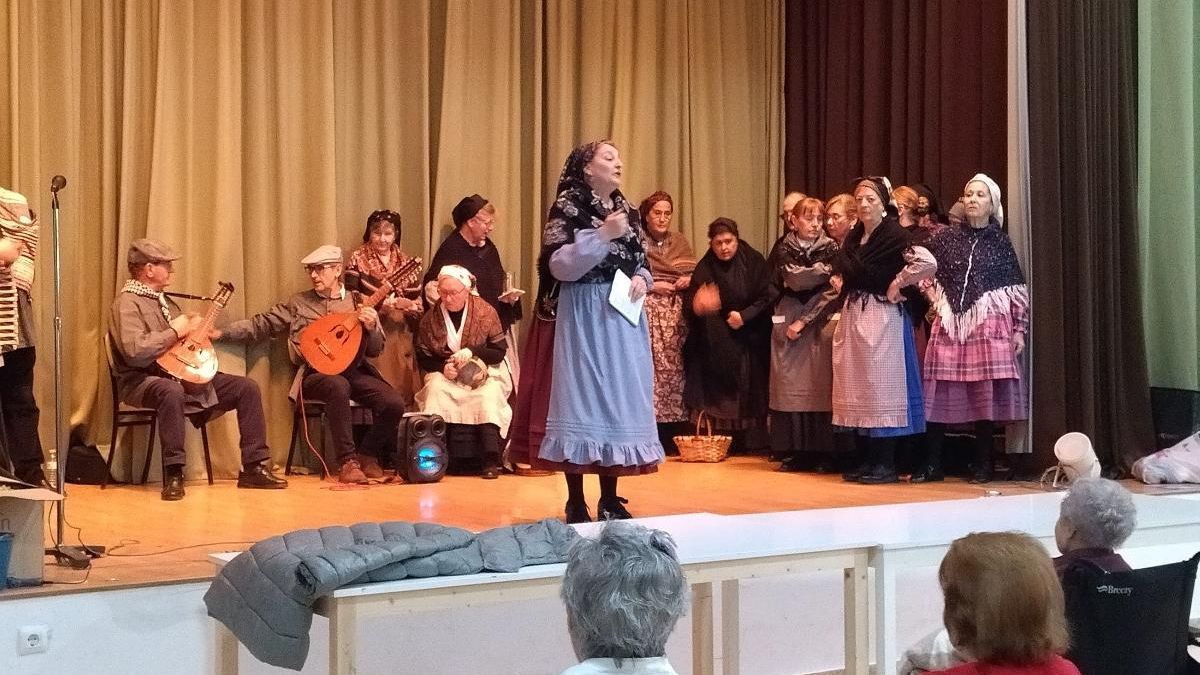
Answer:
(245, 133)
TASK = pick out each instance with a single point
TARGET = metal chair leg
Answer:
(207, 456)
(112, 452)
(149, 452)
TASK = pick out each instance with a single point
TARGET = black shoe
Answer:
(854, 474)
(878, 475)
(825, 466)
(791, 465)
(172, 490)
(982, 474)
(489, 473)
(928, 474)
(259, 477)
(612, 509)
(577, 513)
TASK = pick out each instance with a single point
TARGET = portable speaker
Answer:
(421, 448)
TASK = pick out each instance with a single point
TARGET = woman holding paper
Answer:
(727, 353)
(601, 415)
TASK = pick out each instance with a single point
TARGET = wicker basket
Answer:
(706, 448)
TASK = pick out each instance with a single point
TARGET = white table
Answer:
(715, 552)
(918, 535)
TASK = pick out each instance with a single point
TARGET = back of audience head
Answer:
(1095, 513)
(623, 591)
(1003, 601)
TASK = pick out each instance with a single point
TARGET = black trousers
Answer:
(367, 389)
(234, 392)
(21, 414)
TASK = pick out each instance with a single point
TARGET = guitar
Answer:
(195, 360)
(330, 344)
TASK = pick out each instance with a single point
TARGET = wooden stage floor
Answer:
(151, 541)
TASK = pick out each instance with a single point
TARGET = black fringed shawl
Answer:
(973, 261)
(578, 207)
(871, 267)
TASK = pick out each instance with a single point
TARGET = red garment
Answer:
(1055, 666)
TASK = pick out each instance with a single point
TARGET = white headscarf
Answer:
(997, 207)
(458, 272)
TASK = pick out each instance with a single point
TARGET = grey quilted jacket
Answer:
(265, 596)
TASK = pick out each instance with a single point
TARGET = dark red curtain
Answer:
(912, 89)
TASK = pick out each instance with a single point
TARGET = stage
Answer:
(148, 593)
(151, 541)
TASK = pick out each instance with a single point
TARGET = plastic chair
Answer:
(1130, 622)
(129, 416)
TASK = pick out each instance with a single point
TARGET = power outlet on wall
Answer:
(33, 640)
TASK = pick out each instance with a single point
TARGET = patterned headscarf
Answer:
(578, 207)
(572, 175)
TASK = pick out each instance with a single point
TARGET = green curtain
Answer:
(1169, 189)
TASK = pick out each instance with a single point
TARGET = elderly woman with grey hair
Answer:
(624, 591)
(1096, 517)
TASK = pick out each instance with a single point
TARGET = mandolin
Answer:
(330, 344)
(194, 360)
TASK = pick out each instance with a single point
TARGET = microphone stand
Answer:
(78, 557)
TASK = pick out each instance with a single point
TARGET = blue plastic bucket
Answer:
(6, 543)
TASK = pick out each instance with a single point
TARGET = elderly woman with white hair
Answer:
(461, 348)
(973, 372)
(1095, 518)
(623, 591)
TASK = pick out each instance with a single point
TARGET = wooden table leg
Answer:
(343, 636)
(731, 651)
(887, 646)
(703, 659)
(225, 653)
(857, 618)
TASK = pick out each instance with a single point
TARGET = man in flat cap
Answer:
(360, 382)
(145, 324)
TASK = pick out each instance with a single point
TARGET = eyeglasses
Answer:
(485, 223)
(319, 268)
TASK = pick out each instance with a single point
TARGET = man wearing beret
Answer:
(361, 382)
(144, 325)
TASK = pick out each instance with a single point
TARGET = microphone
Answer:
(57, 183)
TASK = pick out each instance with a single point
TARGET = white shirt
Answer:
(653, 666)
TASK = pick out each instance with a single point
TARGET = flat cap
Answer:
(323, 255)
(143, 251)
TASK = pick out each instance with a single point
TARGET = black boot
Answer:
(862, 461)
(577, 512)
(982, 473)
(612, 508)
(883, 465)
(172, 490)
(489, 442)
(931, 471)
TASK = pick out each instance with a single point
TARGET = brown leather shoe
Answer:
(530, 472)
(351, 472)
(370, 466)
